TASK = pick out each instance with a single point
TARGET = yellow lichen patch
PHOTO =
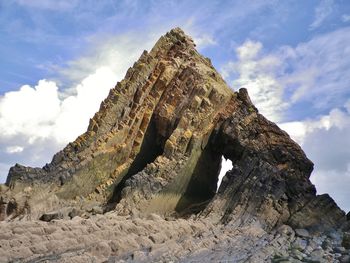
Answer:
(188, 134)
(121, 169)
(169, 148)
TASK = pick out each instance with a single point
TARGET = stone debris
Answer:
(321, 248)
(113, 238)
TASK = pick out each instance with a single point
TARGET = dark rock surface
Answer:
(47, 217)
(155, 147)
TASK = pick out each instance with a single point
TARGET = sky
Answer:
(59, 58)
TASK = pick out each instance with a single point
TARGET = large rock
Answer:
(47, 217)
(155, 146)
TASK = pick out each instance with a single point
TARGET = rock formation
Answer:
(155, 147)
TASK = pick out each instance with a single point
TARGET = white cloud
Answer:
(117, 53)
(345, 18)
(76, 110)
(322, 12)
(249, 50)
(204, 40)
(38, 121)
(40, 113)
(299, 130)
(14, 149)
(296, 130)
(258, 73)
(29, 111)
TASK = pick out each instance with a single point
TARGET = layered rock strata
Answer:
(155, 146)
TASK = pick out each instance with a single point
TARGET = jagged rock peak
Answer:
(155, 146)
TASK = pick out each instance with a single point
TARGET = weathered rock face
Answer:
(155, 146)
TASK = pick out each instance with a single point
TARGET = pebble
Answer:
(317, 254)
(340, 250)
(302, 232)
(300, 244)
(316, 249)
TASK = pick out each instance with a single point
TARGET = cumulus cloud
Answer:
(39, 112)
(35, 117)
(29, 111)
(77, 109)
(322, 12)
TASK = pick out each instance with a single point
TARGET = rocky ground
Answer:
(113, 238)
(329, 247)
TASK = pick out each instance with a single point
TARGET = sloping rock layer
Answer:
(156, 144)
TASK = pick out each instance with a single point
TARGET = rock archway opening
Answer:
(204, 182)
(226, 165)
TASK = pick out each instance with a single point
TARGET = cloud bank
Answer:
(37, 121)
(40, 113)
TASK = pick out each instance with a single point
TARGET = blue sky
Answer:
(60, 57)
